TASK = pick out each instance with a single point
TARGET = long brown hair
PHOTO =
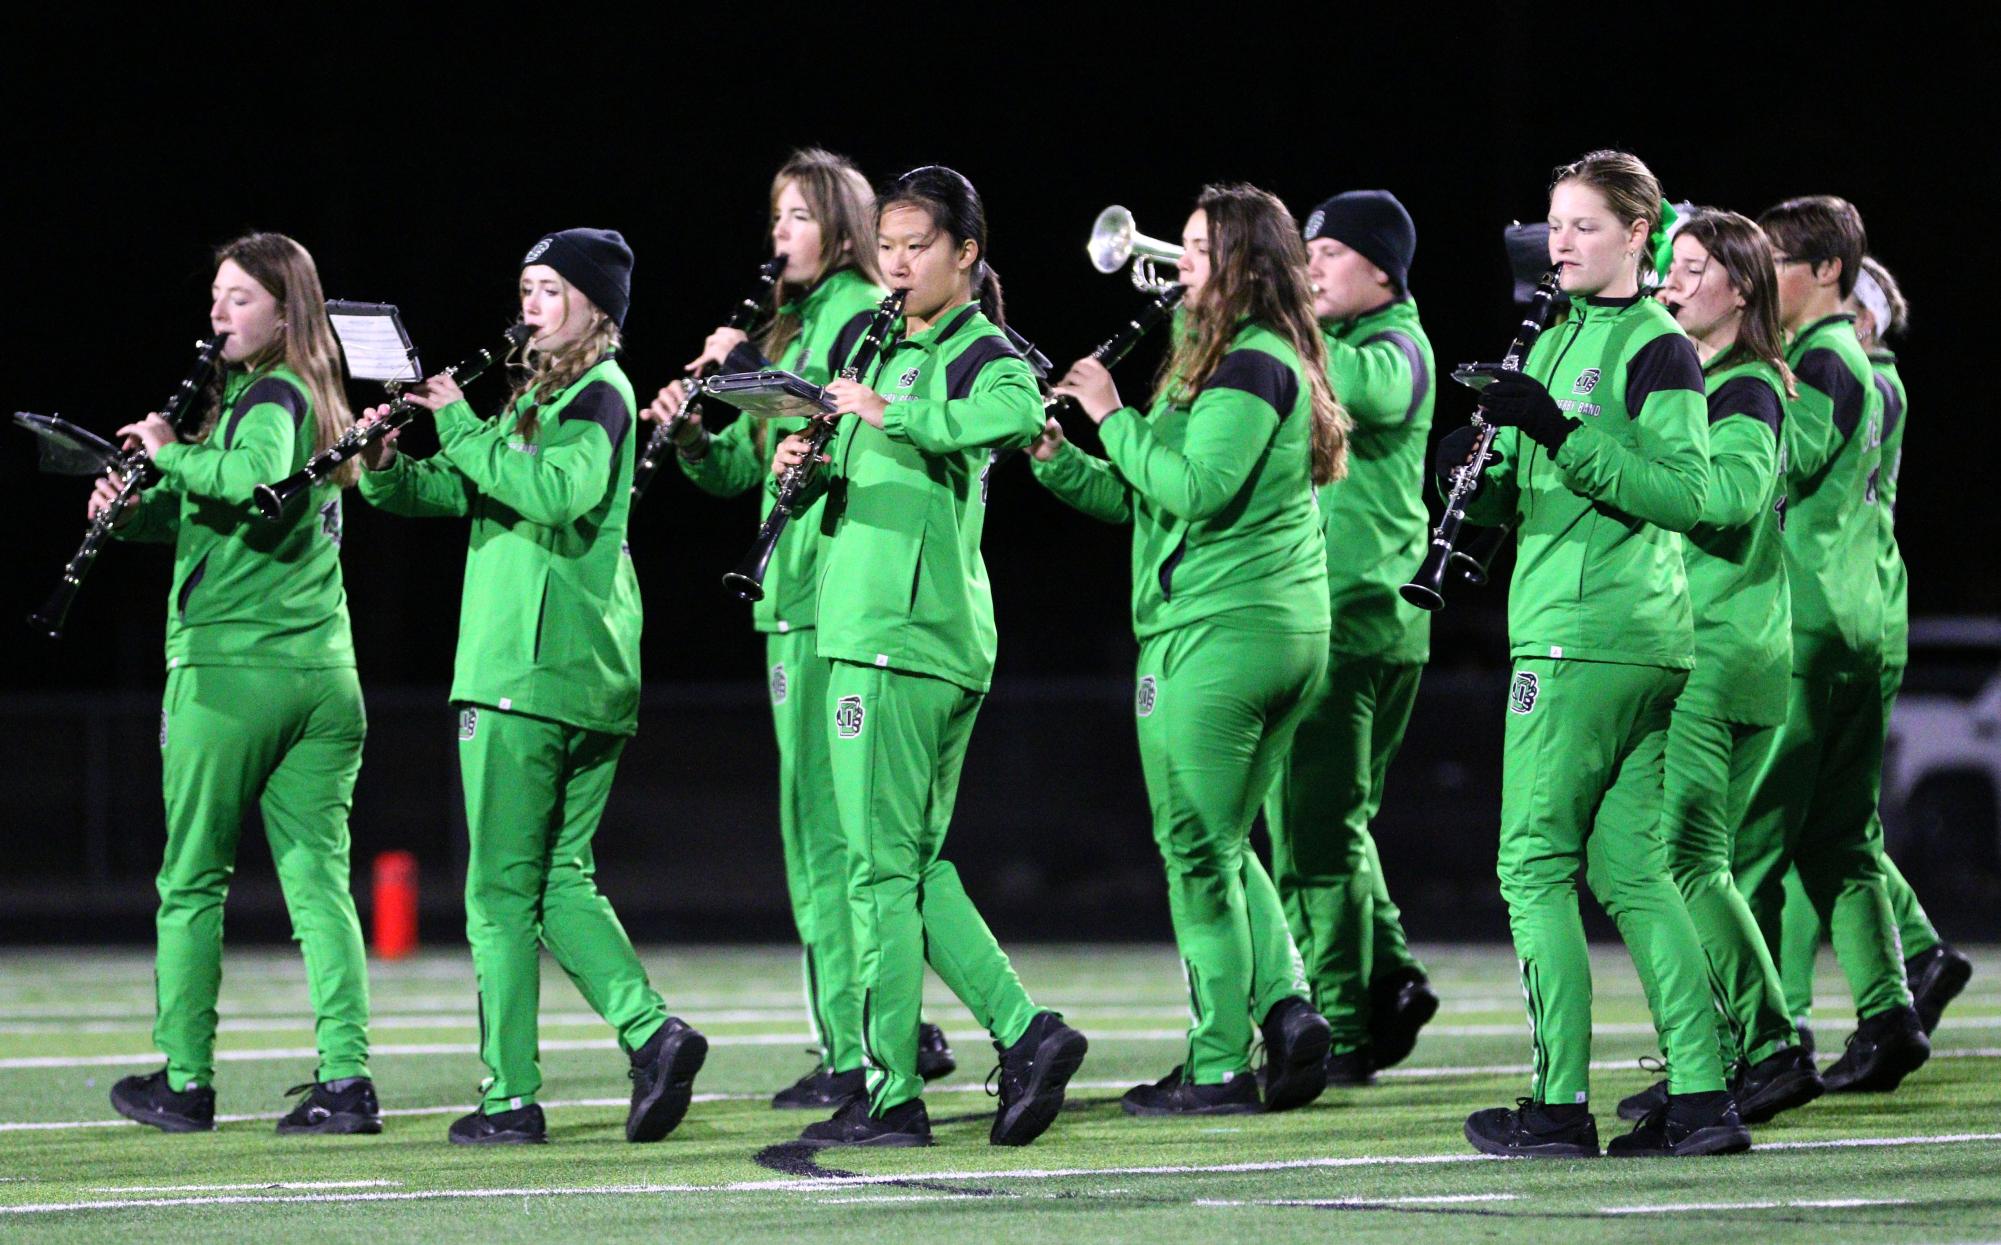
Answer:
(841, 202)
(1629, 189)
(1257, 272)
(305, 343)
(1740, 248)
(545, 375)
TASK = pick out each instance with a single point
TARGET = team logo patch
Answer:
(848, 717)
(1313, 224)
(906, 380)
(163, 728)
(330, 521)
(1522, 696)
(1587, 380)
(535, 252)
(1145, 697)
(778, 684)
(468, 723)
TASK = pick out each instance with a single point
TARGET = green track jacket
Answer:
(1598, 569)
(837, 307)
(248, 592)
(1889, 560)
(902, 583)
(1380, 364)
(1219, 493)
(1736, 567)
(549, 622)
(1834, 431)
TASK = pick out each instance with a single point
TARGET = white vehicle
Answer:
(1942, 765)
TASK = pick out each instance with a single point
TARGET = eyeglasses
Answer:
(1781, 261)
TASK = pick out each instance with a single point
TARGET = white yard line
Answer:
(1439, 1200)
(230, 1188)
(1843, 1203)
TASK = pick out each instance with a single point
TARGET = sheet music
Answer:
(374, 340)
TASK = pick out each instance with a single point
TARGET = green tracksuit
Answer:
(547, 688)
(1323, 856)
(831, 318)
(1814, 806)
(906, 619)
(1602, 636)
(1728, 716)
(1230, 608)
(1802, 925)
(262, 710)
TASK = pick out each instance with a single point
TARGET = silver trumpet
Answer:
(1114, 240)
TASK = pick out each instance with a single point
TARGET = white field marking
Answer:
(836, 1182)
(1840, 1203)
(230, 1188)
(1436, 1200)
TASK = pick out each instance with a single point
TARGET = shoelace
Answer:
(307, 1088)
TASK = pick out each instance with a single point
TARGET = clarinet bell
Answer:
(1426, 588)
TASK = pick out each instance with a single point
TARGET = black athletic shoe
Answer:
(1883, 1050)
(148, 1100)
(350, 1109)
(663, 1080)
(1639, 1106)
(1936, 977)
(1805, 1032)
(1778, 1082)
(1686, 1125)
(1171, 1095)
(934, 1053)
(523, 1127)
(1032, 1075)
(906, 1124)
(1351, 1067)
(1533, 1131)
(1400, 1004)
(1296, 1040)
(821, 1088)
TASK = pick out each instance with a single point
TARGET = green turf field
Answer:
(1383, 1162)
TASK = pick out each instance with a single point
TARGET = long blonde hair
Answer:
(1257, 272)
(306, 343)
(843, 205)
(543, 375)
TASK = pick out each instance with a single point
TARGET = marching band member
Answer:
(1230, 605)
(263, 707)
(906, 622)
(547, 680)
(1602, 459)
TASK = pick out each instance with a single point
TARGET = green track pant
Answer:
(534, 791)
(1324, 860)
(1814, 808)
(289, 743)
(1712, 766)
(1581, 793)
(816, 854)
(1217, 708)
(1804, 930)
(897, 743)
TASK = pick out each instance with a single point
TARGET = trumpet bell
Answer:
(1115, 239)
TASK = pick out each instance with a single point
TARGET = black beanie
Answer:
(1372, 223)
(596, 261)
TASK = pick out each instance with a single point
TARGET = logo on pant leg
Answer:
(778, 684)
(468, 722)
(1521, 697)
(1143, 699)
(848, 717)
(163, 728)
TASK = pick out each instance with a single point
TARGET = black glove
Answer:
(1452, 453)
(1518, 401)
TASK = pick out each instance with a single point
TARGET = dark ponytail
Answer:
(955, 207)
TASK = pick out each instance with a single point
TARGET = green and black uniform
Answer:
(1323, 856)
(547, 689)
(906, 621)
(737, 459)
(1802, 925)
(1728, 716)
(262, 710)
(1230, 608)
(1602, 639)
(1815, 804)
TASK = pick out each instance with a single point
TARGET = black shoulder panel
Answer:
(1259, 374)
(961, 372)
(1667, 362)
(1825, 371)
(270, 390)
(1747, 395)
(600, 404)
(1893, 405)
(847, 339)
(1420, 376)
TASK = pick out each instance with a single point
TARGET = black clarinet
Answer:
(746, 313)
(1121, 343)
(133, 471)
(272, 499)
(1426, 589)
(747, 580)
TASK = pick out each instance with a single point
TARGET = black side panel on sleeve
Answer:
(1261, 375)
(744, 357)
(1893, 406)
(1667, 362)
(1420, 376)
(961, 372)
(1824, 370)
(600, 404)
(1747, 395)
(272, 390)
